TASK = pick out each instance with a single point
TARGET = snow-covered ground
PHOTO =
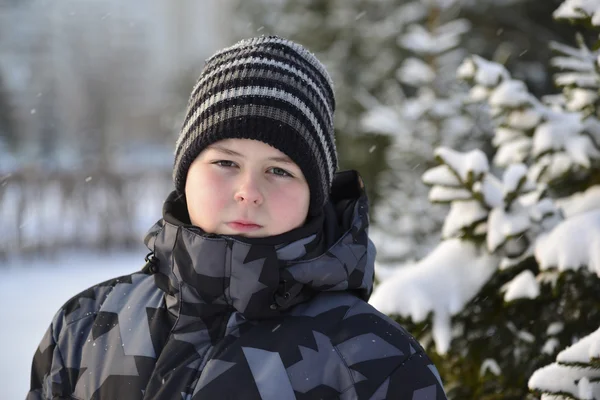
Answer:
(31, 291)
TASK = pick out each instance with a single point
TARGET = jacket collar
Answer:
(262, 278)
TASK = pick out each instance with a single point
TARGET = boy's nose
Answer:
(248, 192)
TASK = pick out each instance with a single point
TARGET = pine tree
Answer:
(515, 279)
(420, 110)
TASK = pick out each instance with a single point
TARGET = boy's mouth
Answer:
(243, 226)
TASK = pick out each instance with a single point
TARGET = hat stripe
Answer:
(249, 91)
(296, 48)
(257, 61)
(278, 114)
(286, 51)
(280, 54)
(266, 76)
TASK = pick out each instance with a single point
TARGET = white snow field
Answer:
(31, 291)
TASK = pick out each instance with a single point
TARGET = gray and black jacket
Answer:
(227, 317)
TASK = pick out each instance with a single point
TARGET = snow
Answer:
(525, 336)
(582, 351)
(515, 151)
(485, 73)
(576, 79)
(505, 135)
(555, 328)
(466, 70)
(581, 61)
(587, 389)
(524, 119)
(580, 149)
(441, 175)
(581, 98)
(442, 194)
(550, 167)
(40, 287)
(466, 165)
(382, 119)
(554, 134)
(538, 208)
(421, 41)
(513, 177)
(463, 214)
(580, 202)
(490, 365)
(504, 224)
(392, 247)
(444, 108)
(479, 93)
(577, 9)
(569, 373)
(491, 190)
(550, 346)
(556, 378)
(572, 244)
(441, 283)
(511, 94)
(415, 72)
(523, 286)
(382, 272)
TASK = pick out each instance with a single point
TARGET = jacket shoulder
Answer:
(365, 327)
(88, 302)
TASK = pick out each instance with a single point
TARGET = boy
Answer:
(259, 270)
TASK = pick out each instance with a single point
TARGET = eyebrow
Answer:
(285, 159)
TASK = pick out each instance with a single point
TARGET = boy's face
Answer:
(246, 187)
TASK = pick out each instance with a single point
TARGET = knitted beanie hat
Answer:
(268, 89)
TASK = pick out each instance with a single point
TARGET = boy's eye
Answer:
(224, 163)
(280, 172)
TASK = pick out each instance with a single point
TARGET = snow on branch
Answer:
(482, 72)
(572, 244)
(579, 10)
(441, 284)
(502, 211)
(555, 139)
(575, 373)
(523, 286)
(422, 41)
(469, 167)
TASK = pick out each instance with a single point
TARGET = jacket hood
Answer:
(205, 273)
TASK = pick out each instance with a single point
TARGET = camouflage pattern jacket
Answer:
(222, 317)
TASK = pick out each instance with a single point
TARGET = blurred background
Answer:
(93, 92)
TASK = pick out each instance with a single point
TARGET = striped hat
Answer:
(268, 89)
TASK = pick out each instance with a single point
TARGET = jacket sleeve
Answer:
(416, 379)
(385, 361)
(47, 368)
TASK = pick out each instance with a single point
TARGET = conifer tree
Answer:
(514, 281)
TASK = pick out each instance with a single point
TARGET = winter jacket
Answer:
(228, 317)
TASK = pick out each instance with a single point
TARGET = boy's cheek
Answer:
(290, 204)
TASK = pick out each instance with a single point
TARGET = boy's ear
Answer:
(346, 185)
